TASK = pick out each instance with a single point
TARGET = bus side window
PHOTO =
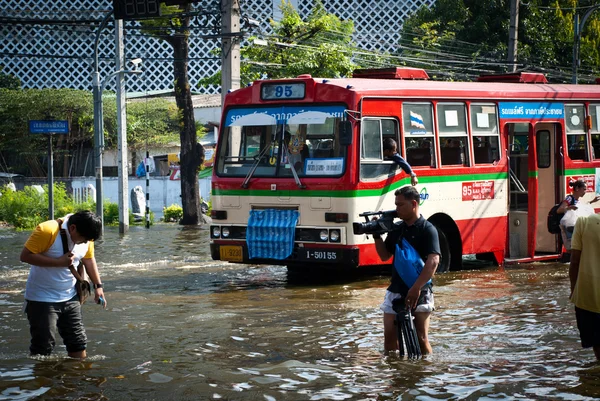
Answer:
(417, 126)
(454, 140)
(577, 143)
(484, 128)
(594, 112)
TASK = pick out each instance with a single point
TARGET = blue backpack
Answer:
(408, 263)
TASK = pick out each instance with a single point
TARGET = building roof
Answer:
(199, 100)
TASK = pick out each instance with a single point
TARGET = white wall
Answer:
(163, 191)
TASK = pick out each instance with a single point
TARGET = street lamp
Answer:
(577, 30)
(98, 89)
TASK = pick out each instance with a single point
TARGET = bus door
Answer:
(547, 163)
(532, 183)
(518, 176)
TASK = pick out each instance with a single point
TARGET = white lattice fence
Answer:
(61, 55)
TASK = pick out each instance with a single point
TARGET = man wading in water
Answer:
(423, 236)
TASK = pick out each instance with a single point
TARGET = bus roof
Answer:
(465, 90)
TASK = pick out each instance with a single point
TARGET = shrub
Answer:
(173, 213)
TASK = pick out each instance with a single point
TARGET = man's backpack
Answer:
(554, 220)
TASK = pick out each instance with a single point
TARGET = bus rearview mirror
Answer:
(345, 130)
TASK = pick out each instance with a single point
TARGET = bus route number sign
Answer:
(477, 190)
(282, 91)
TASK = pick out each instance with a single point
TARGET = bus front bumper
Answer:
(334, 257)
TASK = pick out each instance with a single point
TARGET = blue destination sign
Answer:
(532, 110)
(48, 126)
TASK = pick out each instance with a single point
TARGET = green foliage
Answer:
(463, 38)
(9, 81)
(27, 208)
(321, 46)
(173, 213)
(155, 121)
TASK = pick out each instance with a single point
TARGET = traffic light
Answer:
(136, 9)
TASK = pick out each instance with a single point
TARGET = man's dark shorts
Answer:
(588, 324)
(46, 317)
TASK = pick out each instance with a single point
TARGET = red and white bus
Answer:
(298, 160)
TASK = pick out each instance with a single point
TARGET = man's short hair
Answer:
(88, 225)
(389, 144)
(408, 192)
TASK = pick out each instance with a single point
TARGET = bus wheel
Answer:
(444, 265)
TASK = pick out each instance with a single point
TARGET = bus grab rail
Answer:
(516, 181)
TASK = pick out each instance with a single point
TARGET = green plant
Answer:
(173, 213)
(134, 222)
(111, 213)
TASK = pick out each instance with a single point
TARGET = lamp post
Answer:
(577, 30)
(98, 89)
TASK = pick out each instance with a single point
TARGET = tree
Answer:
(463, 38)
(154, 122)
(321, 46)
(8, 81)
(175, 31)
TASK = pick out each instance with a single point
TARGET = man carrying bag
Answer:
(52, 302)
(418, 295)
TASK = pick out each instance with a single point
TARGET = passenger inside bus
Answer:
(453, 151)
(419, 153)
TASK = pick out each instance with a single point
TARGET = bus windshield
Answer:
(279, 139)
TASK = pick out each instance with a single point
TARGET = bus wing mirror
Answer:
(345, 130)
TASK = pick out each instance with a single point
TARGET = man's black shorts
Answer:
(588, 324)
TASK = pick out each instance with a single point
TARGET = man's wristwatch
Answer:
(98, 286)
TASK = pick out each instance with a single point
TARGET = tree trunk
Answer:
(192, 153)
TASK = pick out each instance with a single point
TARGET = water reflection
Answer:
(181, 326)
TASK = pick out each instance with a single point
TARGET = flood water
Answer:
(183, 327)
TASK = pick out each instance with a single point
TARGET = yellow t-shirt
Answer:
(586, 238)
(53, 284)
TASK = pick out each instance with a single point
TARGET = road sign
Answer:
(48, 126)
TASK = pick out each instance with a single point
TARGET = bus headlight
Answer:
(324, 235)
(334, 235)
(225, 232)
(216, 232)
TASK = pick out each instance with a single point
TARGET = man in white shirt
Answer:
(51, 298)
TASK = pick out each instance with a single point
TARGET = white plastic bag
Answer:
(571, 216)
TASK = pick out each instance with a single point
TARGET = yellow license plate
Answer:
(232, 253)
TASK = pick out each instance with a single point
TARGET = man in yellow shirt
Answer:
(51, 298)
(585, 280)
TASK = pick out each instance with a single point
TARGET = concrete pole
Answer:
(230, 55)
(123, 170)
(98, 124)
(513, 35)
(50, 179)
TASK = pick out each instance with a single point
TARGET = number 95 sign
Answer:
(477, 190)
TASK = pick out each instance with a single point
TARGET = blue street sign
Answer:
(48, 126)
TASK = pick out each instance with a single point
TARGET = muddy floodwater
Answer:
(181, 326)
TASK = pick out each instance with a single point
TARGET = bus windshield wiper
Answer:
(246, 182)
(294, 173)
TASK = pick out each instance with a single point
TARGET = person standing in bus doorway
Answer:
(423, 236)
(571, 202)
(390, 151)
(585, 280)
(51, 300)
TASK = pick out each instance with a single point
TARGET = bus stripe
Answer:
(360, 192)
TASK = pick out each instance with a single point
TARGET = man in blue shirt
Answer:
(390, 151)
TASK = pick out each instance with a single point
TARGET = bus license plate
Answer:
(311, 254)
(232, 253)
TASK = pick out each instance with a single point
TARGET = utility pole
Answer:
(577, 30)
(123, 168)
(230, 55)
(513, 35)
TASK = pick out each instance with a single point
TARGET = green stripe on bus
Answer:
(361, 192)
(581, 171)
(532, 174)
